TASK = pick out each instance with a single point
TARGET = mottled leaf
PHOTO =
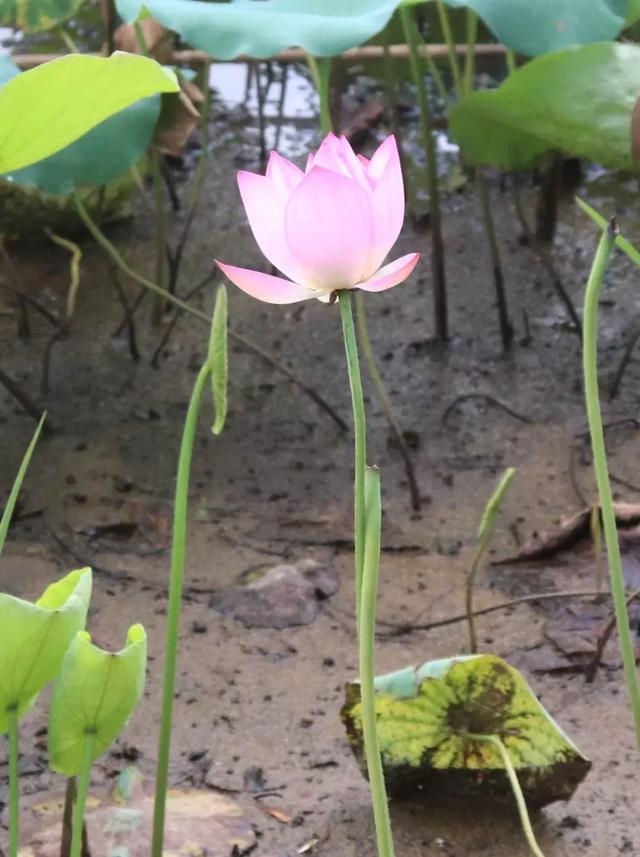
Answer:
(33, 16)
(35, 638)
(95, 695)
(428, 717)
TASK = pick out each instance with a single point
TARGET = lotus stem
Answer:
(181, 503)
(10, 505)
(14, 790)
(366, 643)
(596, 539)
(451, 48)
(506, 328)
(517, 790)
(470, 59)
(81, 798)
(320, 69)
(437, 245)
(592, 396)
(360, 432)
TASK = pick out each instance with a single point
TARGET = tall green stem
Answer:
(360, 431)
(14, 791)
(590, 368)
(517, 790)
(81, 798)
(320, 69)
(470, 60)
(437, 245)
(175, 602)
(366, 641)
(451, 48)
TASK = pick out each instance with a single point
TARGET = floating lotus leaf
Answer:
(579, 101)
(35, 638)
(259, 28)
(119, 822)
(95, 695)
(428, 715)
(534, 27)
(47, 108)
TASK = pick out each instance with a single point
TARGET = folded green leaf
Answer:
(95, 695)
(534, 27)
(47, 108)
(35, 638)
(428, 715)
(7, 513)
(578, 101)
(259, 29)
(33, 16)
(218, 358)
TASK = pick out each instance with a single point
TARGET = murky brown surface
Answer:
(277, 484)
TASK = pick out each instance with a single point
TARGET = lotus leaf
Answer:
(428, 718)
(35, 638)
(95, 695)
(49, 107)
(259, 28)
(33, 16)
(578, 101)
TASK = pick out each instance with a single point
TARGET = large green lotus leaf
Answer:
(535, 27)
(259, 28)
(579, 101)
(108, 151)
(96, 694)
(633, 12)
(47, 108)
(35, 637)
(33, 16)
(427, 714)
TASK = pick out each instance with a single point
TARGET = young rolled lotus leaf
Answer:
(259, 29)
(94, 697)
(428, 718)
(51, 106)
(549, 25)
(35, 638)
(579, 101)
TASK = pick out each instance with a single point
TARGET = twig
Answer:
(28, 405)
(603, 639)
(545, 258)
(113, 253)
(485, 397)
(399, 630)
(128, 316)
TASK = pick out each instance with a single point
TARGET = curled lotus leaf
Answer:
(35, 638)
(431, 719)
(95, 695)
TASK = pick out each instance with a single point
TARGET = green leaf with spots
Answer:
(260, 28)
(35, 638)
(534, 27)
(218, 359)
(579, 101)
(95, 695)
(428, 715)
(49, 107)
(34, 16)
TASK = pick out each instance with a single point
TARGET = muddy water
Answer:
(277, 485)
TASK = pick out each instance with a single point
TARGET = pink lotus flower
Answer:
(327, 229)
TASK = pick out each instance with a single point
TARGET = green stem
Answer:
(68, 42)
(517, 791)
(360, 431)
(366, 641)
(387, 407)
(511, 61)
(14, 791)
(12, 499)
(320, 69)
(81, 798)
(437, 258)
(451, 48)
(469, 589)
(470, 60)
(590, 368)
(175, 600)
